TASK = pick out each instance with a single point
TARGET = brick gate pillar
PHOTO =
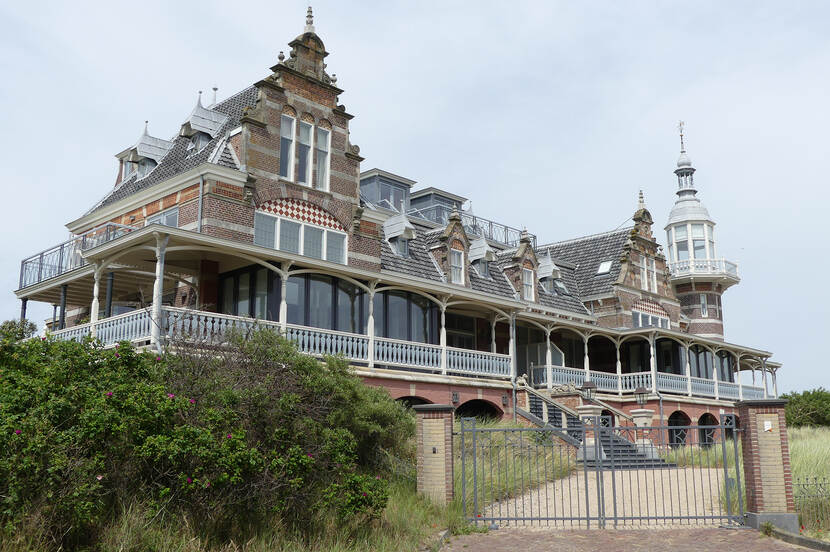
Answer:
(766, 456)
(435, 454)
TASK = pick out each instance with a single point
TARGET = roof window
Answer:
(604, 267)
(197, 142)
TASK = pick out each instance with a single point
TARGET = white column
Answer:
(715, 366)
(753, 374)
(688, 371)
(283, 299)
(652, 363)
(93, 311)
(764, 375)
(493, 334)
(443, 341)
(738, 376)
(158, 288)
(587, 360)
(511, 347)
(619, 369)
(774, 374)
(370, 326)
(548, 361)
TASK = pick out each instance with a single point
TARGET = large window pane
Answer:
(700, 249)
(290, 236)
(286, 146)
(680, 233)
(396, 317)
(322, 147)
(336, 247)
(456, 259)
(419, 319)
(303, 148)
(313, 242)
(265, 230)
(227, 296)
(243, 303)
(683, 250)
(261, 294)
(697, 231)
(348, 308)
(379, 312)
(320, 312)
(295, 299)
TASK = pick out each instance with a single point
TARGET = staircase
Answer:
(620, 453)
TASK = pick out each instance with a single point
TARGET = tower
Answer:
(699, 277)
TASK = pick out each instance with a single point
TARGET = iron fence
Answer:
(812, 502)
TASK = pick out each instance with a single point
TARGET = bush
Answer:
(808, 408)
(224, 439)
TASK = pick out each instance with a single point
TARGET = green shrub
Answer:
(808, 408)
(224, 439)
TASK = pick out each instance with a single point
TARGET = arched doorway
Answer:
(678, 428)
(411, 401)
(708, 427)
(479, 408)
(607, 418)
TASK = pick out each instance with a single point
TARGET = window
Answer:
(165, 218)
(527, 284)
(711, 231)
(704, 307)
(604, 267)
(643, 320)
(483, 268)
(560, 286)
(286, 147)
(400, 246)
(303, 149)
(456, 266)
(652, 276)
(680, 238)
(698, 241)
(261, 294)
(197, 142)
(392, 197)
(320, 301)
(127, 168)
(322, 144)
(303, 239)
(145, 167)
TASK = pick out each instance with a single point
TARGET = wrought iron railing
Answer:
(474, 225)
(812, 503)
(66, 256)
(704, 266)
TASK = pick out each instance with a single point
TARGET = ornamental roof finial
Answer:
(680, 127)
(641, 203)
(145, 128)
(309, 21)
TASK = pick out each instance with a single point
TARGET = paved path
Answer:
(625, 540)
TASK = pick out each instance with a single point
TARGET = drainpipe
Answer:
(199, 208)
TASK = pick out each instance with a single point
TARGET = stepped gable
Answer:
(177, 160)
(586, 254)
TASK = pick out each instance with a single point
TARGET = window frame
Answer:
(290, 164)
(301, 238)
(309, 154)
(323, 186)
(528, 284)
(704, 306)
(456, 254)
(607, 265)
(163, 215)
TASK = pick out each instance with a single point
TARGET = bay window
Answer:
(287, 147)
(681, 240)
(698, 241)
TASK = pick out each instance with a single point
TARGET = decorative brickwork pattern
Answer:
(301, 210)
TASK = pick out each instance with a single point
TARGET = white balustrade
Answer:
(703, 266)
(466, 361)
(130, 326)
(728, 390)
(703, 387)
(605, 381)
(563, 375)
(395, 352)
(75, 333)
(315, 341)
(753, 392)
(671, 383)
(631, 382)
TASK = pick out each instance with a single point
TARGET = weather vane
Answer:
(680, 126)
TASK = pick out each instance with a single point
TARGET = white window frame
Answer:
(325, 185)
(704, 306)
(459, 268)
(310, 156)
(604, 267)
(125, 165)
(290, 175)
(326, 231)
(162, 214)
(652, 269)
(528, 284)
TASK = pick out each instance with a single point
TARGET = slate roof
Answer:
(586, 254)
(419, 262)
(569, 302)
(177, 160)
(496, 284)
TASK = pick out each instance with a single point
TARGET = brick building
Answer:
(257, 212)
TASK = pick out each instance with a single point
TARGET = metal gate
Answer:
(595, 474)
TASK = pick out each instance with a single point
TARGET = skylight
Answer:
(604, 267)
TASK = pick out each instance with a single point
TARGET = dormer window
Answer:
(400, 246)
(554, 285)
(604, 267)
(527, 284)
(197, 142)
(145, 166)
(482, 266)
(456, 266)
(127, 168)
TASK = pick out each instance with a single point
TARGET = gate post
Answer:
(434, 453)
(766, 456)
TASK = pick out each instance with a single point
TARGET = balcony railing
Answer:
(666, 383)
(66, 256)
(474, 225)
(704, 267)
(194, 325)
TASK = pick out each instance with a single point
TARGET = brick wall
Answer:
(434, 452)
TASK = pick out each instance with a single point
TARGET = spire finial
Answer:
(215, 89)
(641, 202)
(680, 127)
(145, 128)
(199, 99)
(309, 21)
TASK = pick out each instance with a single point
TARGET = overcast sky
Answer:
(549, 115)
